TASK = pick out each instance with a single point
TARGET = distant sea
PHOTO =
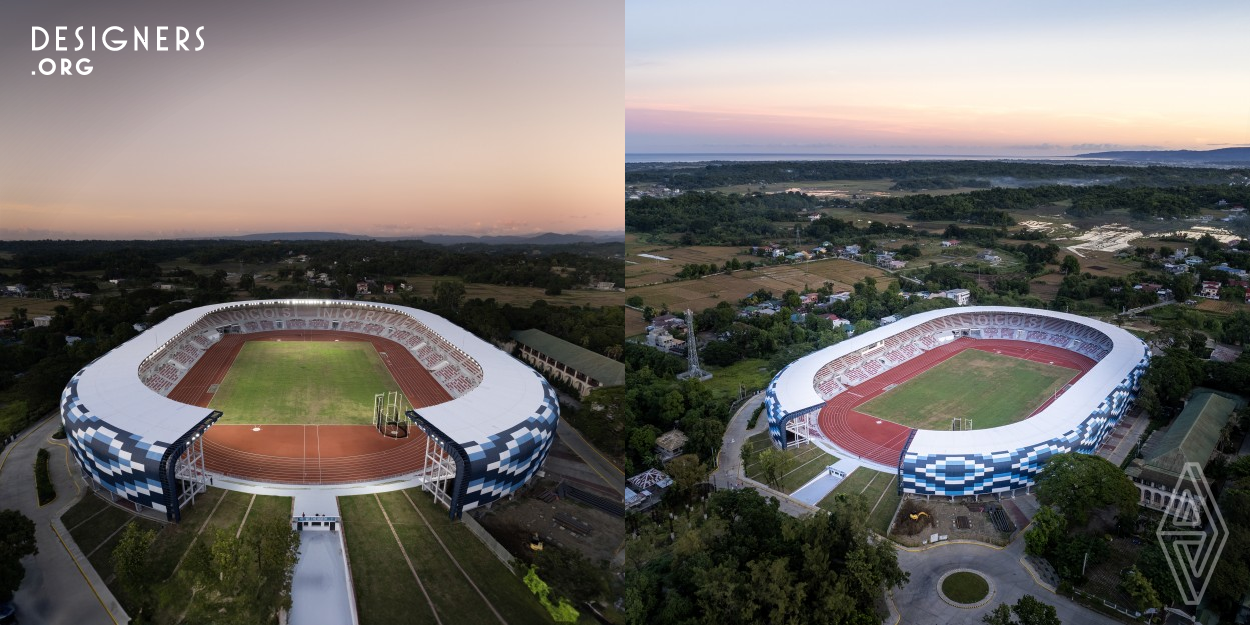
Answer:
(676, 157)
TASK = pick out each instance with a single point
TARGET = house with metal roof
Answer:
(1191, 438)
(583, 369)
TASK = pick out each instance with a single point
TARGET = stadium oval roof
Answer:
(110, 387)
(795, 391)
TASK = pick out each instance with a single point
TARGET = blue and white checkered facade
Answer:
(948, 474)
(504, 462)
(121, 462)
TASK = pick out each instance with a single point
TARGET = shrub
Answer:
(43, 481)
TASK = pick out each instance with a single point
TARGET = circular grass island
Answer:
(965, 588)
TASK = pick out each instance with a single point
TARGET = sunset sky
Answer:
(922, 77)
(381, 117)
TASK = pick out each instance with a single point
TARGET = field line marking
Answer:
(200, 531)
(239, 532)
(870, 481)
(97, 513)
(883, 492)
(109, 537)
(404, 551)
(453, 558)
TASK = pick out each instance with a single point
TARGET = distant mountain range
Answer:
(547, 238)
(1222, 155)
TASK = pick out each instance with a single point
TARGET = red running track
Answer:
(310, 454)
(881, 441)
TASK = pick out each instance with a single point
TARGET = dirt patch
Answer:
(947, 520)
(513, 522)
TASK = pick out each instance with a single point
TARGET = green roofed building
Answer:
(1192, 437)
(583, 369)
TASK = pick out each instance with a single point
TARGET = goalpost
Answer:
(386, 415)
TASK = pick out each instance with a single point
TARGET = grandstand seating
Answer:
(853, 369)
(457, 372)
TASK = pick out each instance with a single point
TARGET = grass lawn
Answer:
(806, 462)
(961, 387)
(965, 587)
(386, 591)
(879, 490)
(294, 382)
(751, 374)
(92, 521)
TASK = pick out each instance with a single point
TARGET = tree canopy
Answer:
(1080, 483)
(17, 540)
(747, 562)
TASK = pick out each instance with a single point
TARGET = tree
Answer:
(687, 472)
(774, 464)
(226, 555)
(1000, 615)
(276, 546)
(1030, 611)
(1046, 527)
(1140, 589)
(1070, 265)
(1078, 483)
(449, 293)
(17, 540)
(131, 556)
(247, 281)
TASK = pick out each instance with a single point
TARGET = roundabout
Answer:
(965, 588)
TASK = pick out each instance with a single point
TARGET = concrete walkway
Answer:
(60, 586)
(812, 492)
(320, 591)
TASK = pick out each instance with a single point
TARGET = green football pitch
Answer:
(990, 389)
(303, 382)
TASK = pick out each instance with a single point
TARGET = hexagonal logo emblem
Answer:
(1192, 533)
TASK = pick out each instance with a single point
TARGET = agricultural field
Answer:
(879, 490)
(635, 324)
(409, 562)
(708, 291)
(519, 295)
(955, 388)
(843, 189)
(1220, 307)
(303, 382)
(34, 307)
(644, 270)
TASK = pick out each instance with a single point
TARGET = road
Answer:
(728, 473)
(611, 475)
(918, 601)
(56, 590)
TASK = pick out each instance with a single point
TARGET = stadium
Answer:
(149, 421)
(961, 401)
